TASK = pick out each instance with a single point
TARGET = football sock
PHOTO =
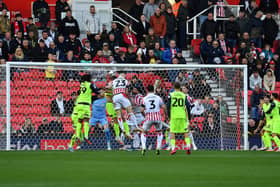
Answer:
(192, 139)
(126, 128)
(159, 140)
(277, 141)
(263, 141)
(188, 142)
(73, 140)
(267, 138)
(117, 130)
(108, 135)
(86, 129)
(120, 121)
(173, 144)
(79, 131)
(136, 140)
(167, 137)
(143, 140)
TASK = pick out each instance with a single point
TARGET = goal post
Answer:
(29, 93)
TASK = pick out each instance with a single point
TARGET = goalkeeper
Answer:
(82, 112)
(177, 107)
(276, 120)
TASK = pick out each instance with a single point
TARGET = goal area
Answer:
(33, 116)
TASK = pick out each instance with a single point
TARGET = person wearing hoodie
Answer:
(269, 80)
(69, 24)
(158, 23)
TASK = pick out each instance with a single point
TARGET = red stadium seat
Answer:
(100, 84)
(277, 84)
(59, 84)
(168, 85)
(16, 76)
(47, 84)
(73, 84)
(130, 75)
(34, 84)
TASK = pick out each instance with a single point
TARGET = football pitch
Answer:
(121, 168)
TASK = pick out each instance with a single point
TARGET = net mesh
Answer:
(215, 95)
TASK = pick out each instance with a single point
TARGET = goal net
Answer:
(37, 101)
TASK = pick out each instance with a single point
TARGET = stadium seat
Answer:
(59, 84)
(34, 84)
(16, 76)
(277, 84)
(130, 75)
(47, 84)
(100, 84)
(73, 84)
(168, 85)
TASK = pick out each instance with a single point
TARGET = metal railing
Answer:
(214, 9)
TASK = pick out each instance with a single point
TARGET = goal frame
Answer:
(148, 66)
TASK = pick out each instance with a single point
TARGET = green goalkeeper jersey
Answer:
(85, 93)
(177, 105)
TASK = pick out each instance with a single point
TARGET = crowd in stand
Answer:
(158, 38)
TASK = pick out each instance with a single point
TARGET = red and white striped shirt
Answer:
(152, 105)
(119, 85)
(220, 8)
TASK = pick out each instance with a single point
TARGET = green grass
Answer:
(82, 169)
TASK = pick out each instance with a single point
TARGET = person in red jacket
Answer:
(158, 23)
(128, 37)
(99, 58)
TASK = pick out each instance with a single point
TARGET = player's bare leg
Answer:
(188, 143)
(173, 144)
(86, 130)
(108, 136)
(159, 142)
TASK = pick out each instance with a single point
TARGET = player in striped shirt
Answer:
(120, 101)
(151, 107)
(136, 99)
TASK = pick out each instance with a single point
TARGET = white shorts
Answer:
(139, 118)
(148, 124)
(120, 101)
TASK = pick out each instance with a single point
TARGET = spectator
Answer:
(99, 58)
(269, 81)
(223, 107)
(3, 5)
(53, 31)
(19, 56)
(40, 52)
(242, 50)
(197, 77)
(117, 33)
(32, 27)
(69, 75)
(41, 10)
(128, 37)
(216, 54)
(69, 24)
(269, 6)
(170, 52)
(255, 80)
(157, 51)
(27, 128)
(158, 23)
(87, 49)
(255, 101)
(171, 26)
(277, 66)
(206, 104)
(243, 22)
(60, 44)
(137, 9)
(58, 105)
(198, 108)
(61, 6)
(92, 24)
(106, 51)
(270, 29)
(130, 56)
(8, 40)
(258, 67)
(152, 58)
(173, 73)
(32, 40)
(50, 71)
(202, 5)
(182, 17)
(46, 38)
(252, 127)
(180, 57)
(71, 103)
(4, 51)
(162, 7)
(56, 125)
(212, 127)
(254, 9)
(73, 44)
(135, 82)
(18, 26)
(27, 49)
(216, 111)
(181, 78)
(204, 89)
(205, 47)
(245, 38)
(86, 58)
(256, 29)
(161, 92)
(120, 58)
(142, 28)
(97, 44)
(224, 44)
(142, 52)
(104, 33)
(151, 39)
(5, 25)
(175, 7)
(112, 42)
(44, 128)
(149, 9)
(209, 26)
(16, 42)
(232, 31)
